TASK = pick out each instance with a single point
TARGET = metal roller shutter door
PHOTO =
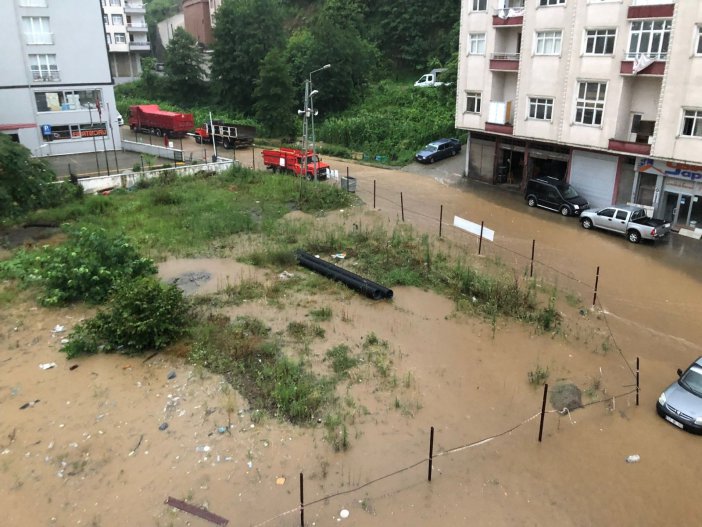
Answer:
(593, 175)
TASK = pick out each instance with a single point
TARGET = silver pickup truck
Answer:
(628, 220)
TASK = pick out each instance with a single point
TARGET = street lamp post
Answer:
(311, 95)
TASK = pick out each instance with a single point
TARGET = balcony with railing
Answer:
(509, 14)
(134, 8)
(137, 27)
(39, 39)
(143, 45)
(44, 75)
(651, 9)
(504, 62)
(643, 64)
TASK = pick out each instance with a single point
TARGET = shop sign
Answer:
(96, 132)
(670, 169)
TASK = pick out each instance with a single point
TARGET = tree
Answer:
(275, 96)
(184, 70)
(245, 31)
(24, 180)
(334, 38)
(150, 80)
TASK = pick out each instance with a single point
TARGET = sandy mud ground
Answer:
(87, 449)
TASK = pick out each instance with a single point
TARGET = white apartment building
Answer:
(56, 92)
(127, 37)
(604, 94)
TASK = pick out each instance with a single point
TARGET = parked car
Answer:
(437, 150)
(626, 219)
(554, 194)
(681, 403)
(120, 119)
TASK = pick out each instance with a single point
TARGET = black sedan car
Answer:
(437, 150)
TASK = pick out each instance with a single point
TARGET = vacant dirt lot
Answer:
(88, 449)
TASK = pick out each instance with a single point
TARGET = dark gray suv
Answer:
(554, 194)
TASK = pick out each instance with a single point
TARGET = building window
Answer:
(36, 30)
(600, 41)
(477, 44)
(650, 37)
(590, 103)
(120, 38)
(551, 2)
(116, 2)
(540, 108)
(106, 20)
(473, 100)
(479, 5)
(692, 123)
(43, 67)
(548, 43)
(77, 131)
(117, 20)
(64, 100)
(32, 3)
(108, 38)
(698, 50)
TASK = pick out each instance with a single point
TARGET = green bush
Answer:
(85, 268)
(143, 314)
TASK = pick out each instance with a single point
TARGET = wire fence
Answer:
(415, 211)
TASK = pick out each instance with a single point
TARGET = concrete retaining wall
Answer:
(154, 150)
(93, 185)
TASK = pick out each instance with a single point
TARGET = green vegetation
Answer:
(341, 359)
(322, 314)
(85, 268)
(142, 314)
(27, 183)
(538, 376)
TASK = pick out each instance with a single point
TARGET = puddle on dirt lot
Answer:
(206, 275)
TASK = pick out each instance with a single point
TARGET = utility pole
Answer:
(304, 129)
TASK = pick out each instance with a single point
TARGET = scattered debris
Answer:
(200, 512)
(141, 438)
(163, 426)
(147, 359)
(634, 458)
(30, 404)
(203, 448)
(344, 513)
(73, 367)
(222, 429)
(47, 365)
(65, 341)
(171, 375)
(339, 256)
(285, 275)
(280, 480)
(58, 329)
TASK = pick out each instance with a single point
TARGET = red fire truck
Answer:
(150, 119)
(291, 160)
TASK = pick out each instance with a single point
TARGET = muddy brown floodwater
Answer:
(88, 449)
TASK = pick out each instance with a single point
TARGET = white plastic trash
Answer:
(634, 458)
(344, 513)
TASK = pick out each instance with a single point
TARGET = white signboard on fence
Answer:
(473, 228)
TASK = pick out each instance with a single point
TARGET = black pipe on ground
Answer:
(356, 282)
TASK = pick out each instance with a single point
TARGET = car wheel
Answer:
(198, 139)
(586, 223)
(454, 152)
(227, 144)
(431, 160)
(159, 132)
(531, 201)
(634, 236)
(565, 211)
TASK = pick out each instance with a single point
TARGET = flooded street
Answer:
(89, 450)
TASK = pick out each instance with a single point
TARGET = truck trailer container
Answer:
(150, 119)
(227, 135)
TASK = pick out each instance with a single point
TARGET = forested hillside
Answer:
(267, 50)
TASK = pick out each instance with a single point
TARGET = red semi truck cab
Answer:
(150, 119)
(292, 161)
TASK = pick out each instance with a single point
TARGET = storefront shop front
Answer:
(675, 190)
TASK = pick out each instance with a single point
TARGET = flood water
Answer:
(89, 451)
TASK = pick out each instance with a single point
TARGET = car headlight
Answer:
(662, 399)
(698, 421)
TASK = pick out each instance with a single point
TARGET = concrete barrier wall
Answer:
(93, 185)
(154, 150)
